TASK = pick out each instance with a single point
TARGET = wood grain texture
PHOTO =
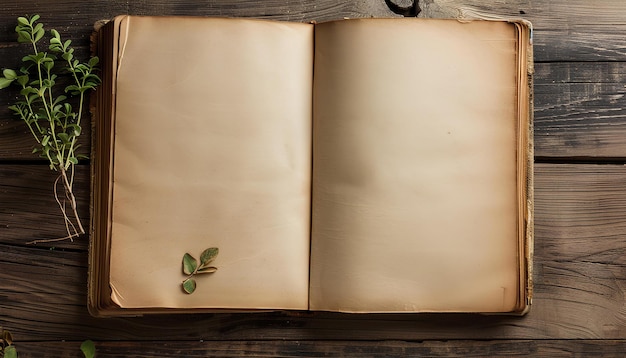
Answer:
(28, 210)
(580, 282)
(78, 24)
(565, 30)
(374, 349)
(580, 110)
(16, 141)
(580, 228)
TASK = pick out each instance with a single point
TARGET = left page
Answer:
(212, 149)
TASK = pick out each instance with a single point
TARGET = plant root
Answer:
(68, 196)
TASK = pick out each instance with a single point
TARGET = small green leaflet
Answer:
(189, 285)
(10, 352)
(88, 348)
(189, 264)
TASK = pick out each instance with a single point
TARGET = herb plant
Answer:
(191, 267)
(47, 109)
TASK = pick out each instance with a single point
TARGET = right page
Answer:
(416, 201)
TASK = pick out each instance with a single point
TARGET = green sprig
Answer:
(191, 267)
(46, 108)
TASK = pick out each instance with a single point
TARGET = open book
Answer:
(368, 165)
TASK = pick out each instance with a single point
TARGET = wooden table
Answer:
(580, 250)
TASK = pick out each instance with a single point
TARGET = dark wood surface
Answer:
(579, 308)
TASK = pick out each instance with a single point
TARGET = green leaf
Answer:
(59, 99)
(34, 18)
(55, 34)
(23, 21)
(208, 269)
(73, 160)
(9, 74)
(5, 82)
(189, 264)
(48, 65)
(93, 61)
(10, 352)
(91, 78)
(208, 255)
(75, 128)
(39, 34)
(22, 80)
(23, 36)
(88, 348)
(189, 285)
(27, 90)
(32, 98)
(40, 56)
(72, 88)
(64, 137)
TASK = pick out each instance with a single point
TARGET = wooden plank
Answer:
(28, 210)
(580, 280)
(17, 142)
(565, 30)
(583, 30)
(580, 110)
(580, 250)
(308, 348)
(78, 25)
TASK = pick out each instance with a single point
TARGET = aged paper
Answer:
(415, 199)
(212, 148)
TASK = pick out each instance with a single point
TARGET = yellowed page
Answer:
(212, 149)
(414, 178)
